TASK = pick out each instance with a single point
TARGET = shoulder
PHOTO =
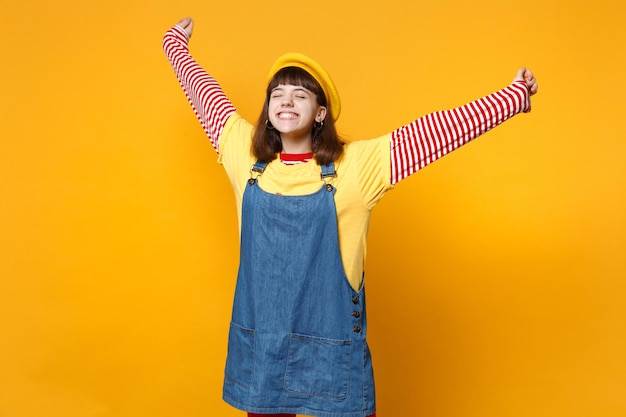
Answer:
(368, 149)
(237, 132)
(367, 161)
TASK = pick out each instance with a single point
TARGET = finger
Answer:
(534, 89)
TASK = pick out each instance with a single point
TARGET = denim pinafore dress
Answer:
(297, 340)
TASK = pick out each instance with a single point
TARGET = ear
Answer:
(321, 114)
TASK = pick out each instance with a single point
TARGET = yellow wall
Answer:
(496, 277)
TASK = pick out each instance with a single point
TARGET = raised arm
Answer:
(209, 103)
(430, 137)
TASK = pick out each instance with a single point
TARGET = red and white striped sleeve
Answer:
(430, 137)
(208, 101)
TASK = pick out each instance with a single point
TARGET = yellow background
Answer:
(496, 277)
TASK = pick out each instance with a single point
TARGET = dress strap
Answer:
(258, 167)
(328, 170)
(256, 170)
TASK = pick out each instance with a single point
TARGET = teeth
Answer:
(287, 115)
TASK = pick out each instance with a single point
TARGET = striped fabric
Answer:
(295, 158)
(413, 146)
(208, 101)
(430, 137)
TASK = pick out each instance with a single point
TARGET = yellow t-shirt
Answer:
(363, 177)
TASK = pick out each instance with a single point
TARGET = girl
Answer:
(297, 340)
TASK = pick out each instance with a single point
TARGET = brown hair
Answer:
(266, 143)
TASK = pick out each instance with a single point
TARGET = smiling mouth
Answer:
(287, 115)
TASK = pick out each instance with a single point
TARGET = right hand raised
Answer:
(529, 78)
(187, 25)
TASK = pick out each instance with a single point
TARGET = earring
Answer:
(318, 125)
(268, 125)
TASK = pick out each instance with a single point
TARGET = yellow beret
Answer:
(296, 59)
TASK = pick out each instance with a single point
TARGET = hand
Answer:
(527, 76)
(187, 25)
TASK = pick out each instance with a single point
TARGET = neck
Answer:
(296, 145)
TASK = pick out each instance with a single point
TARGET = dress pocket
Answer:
(240, 359)
(318, 367)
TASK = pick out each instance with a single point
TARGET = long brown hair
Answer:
(266, 143)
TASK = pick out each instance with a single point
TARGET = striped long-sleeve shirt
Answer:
(367, 169)
(413, 146)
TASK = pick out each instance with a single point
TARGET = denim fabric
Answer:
(297, 341)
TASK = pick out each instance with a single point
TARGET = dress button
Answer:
(355, 299)
(329, 187)
(357, 329)
(356, 314)
(251, 181)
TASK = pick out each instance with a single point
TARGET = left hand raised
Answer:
(527, 76)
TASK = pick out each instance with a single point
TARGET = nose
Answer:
(286, 101)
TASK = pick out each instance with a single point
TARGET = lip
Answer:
(287, 115)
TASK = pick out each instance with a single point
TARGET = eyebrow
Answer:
(297, 88)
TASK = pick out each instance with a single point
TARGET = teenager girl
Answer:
(297, 341)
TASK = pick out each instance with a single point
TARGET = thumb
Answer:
(190, 27)
(187, 25)
(520, 74)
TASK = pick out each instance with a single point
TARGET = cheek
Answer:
(272, 119)
(271, 111)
